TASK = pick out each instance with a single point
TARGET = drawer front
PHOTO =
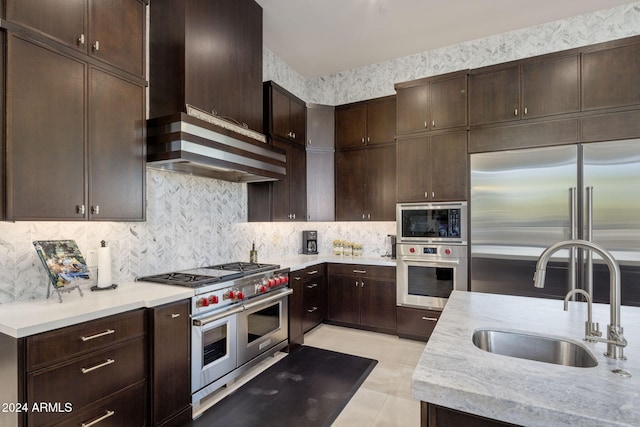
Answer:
(314, 271)
(358, 270)
(87, 379)
(125, 408)
(416, 322)
(63, 344)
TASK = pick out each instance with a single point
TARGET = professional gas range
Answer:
(222, 285)
(239, 316)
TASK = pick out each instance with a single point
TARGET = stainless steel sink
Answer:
(533, 347)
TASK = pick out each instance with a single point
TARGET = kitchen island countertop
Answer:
(455, 374)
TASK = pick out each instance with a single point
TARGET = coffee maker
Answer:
(310, 242)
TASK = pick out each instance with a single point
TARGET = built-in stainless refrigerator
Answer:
(522, 201)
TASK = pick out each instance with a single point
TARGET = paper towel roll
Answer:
(104, 267)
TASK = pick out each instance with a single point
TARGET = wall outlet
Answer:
(92, 259)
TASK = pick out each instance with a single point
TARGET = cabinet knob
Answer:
(362, 140)
(80, 209)
(96, 46)
(425, 124)
(95, 210)
(515, 112)
(81, 40)
(525, 111)
(433, 123)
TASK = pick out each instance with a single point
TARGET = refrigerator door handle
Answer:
(573, 234)
(588, 235)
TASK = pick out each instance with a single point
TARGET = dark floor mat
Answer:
(308, 388)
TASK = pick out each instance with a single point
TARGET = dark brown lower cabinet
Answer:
(362, 296)
(170, 377)
(415, 323)
(296, 334)
(438, 416)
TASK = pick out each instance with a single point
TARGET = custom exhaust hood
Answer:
(202, 144)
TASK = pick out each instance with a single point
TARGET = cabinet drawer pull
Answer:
(97, 420)
(96, 46)
(98, 366)
(312, 310)
(81, 39)
(298, 278)
(311, 286)
(313, 272)
(101, 334)
(432, 319)
(360, 271)
(175, 315)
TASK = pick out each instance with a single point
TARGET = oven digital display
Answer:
(430, 251)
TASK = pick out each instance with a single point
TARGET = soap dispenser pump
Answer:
(253, 254)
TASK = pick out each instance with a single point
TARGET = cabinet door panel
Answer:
(116, 145)
(413, 109)
(62, 20)
(494, 96)
(45, 133)
(350, 184)
(351, 126)
(378, 304)
(448, 103)
(297, 170)
(381, 121)
(449, 166)
(551, 87)
(413, 166)
(344, 299)
(280, 113)
(280, 189)
(171, 360)
(611, 77)
(381, 183)
(298, 118)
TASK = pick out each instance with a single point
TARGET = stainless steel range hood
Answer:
(203, 145)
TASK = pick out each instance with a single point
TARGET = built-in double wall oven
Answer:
(431, 253)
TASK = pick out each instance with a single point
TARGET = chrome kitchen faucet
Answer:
(615, 339)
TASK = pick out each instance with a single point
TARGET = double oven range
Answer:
(431, 253)
(239, 316)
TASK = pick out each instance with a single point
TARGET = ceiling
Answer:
(323, 37)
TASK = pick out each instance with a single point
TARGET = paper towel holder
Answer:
(113, 286)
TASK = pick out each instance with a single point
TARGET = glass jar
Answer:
(347, 248)
(357, 250)
(337, 247)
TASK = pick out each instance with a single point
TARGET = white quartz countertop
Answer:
(453, 373)
(24, 318)
(302, 261)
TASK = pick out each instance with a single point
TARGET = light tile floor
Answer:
(384, 399)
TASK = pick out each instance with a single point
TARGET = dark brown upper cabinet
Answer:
(532, 88)
(72, 153)
(611, 75)
(432, 103)
(366, 123)
(285, 114)
(111, 31)
(434, 167)
(207, 54)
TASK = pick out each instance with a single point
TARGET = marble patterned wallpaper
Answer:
(194, 221)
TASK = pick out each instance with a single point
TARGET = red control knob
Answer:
(240, 295)
(286, 279)
(213, 299)
(232, 294)
(204, 302)
(272, 283)
(447, 251)
(263, 289)
(412, 250)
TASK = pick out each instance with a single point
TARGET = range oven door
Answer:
(428, 283)
(262, 325)
(213, 342)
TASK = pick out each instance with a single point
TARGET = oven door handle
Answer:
(430, 262)
(210, 319)
(270, 298)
